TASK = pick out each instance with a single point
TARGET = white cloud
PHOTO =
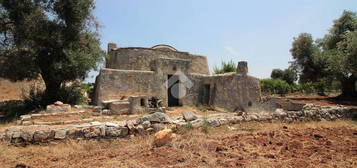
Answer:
(231, 51)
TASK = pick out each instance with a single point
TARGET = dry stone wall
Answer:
(157, 121)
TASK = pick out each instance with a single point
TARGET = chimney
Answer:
(242, 67)
(111, 46)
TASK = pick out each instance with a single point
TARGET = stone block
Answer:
(119, 108)
(25, 117)
(58, 108)
(60, 134)
(40, 136)
(116, 131)
(189, 116)
(92, 132)
(27, 136)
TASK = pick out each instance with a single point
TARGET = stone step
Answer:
(119, 107)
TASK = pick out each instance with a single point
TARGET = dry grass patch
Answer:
(321, 144)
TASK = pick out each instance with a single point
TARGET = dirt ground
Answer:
(313, 144)
(16, 90)
(322, 100)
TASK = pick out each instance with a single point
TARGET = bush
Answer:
(322, 86)
(275, 86)
(287, 75)
(206, 126)
(226, 67)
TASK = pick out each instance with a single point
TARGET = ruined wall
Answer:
(231, 91)
(118, 84)
(142, 59)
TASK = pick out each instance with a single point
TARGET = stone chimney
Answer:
(242, 67)
(111, 46)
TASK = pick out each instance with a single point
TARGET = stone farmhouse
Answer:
(134, 78)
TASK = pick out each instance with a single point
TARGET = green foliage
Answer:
(70, 94)
(275, 86)
(333, 57)
(286, 75)
(12, 110)
(56, 40)
(206, 126)
(322, 86)
(185, 128)
(307, 58)
(225, 67)
(277, 74)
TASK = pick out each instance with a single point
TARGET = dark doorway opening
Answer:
(206, 94)
(173, 90)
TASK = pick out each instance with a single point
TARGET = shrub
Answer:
(185, 128)
(322, 86)
(206, 126)
(287, 75)
(275, 86)
(226, 67)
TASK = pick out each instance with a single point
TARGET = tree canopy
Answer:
(54, 39)
(334, 56)
(286, 75)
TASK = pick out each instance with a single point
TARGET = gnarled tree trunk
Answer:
(348, 88)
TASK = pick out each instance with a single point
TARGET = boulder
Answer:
(189, 116)
(163, 137)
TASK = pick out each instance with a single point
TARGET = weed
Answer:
(185, 128)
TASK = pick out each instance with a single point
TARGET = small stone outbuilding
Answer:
(175, 78)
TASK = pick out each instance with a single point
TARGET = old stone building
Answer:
(175, 78)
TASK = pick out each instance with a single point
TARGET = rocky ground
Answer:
(251, 144)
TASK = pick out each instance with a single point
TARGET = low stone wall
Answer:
(28, 119)
(158, 121)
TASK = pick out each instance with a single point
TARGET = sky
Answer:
(258, 31)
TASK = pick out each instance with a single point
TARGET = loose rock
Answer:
(163, 137)
(189, 116)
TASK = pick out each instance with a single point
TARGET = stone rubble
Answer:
(158, 121)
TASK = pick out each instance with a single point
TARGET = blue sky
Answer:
(257, 31)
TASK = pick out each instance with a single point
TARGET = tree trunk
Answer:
(51, 92)
(349, 88)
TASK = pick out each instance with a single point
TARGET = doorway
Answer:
(206, 94)
(173, 90)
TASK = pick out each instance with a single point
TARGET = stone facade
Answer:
(176, 78)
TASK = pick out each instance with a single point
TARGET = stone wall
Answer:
(145, 71)
(157, 121)
(120, 84)
(135, 58)
(231, 91)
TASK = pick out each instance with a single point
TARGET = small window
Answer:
(142, 102)
(249, 104)
(174, 68)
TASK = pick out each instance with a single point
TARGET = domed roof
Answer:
(164, 47)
